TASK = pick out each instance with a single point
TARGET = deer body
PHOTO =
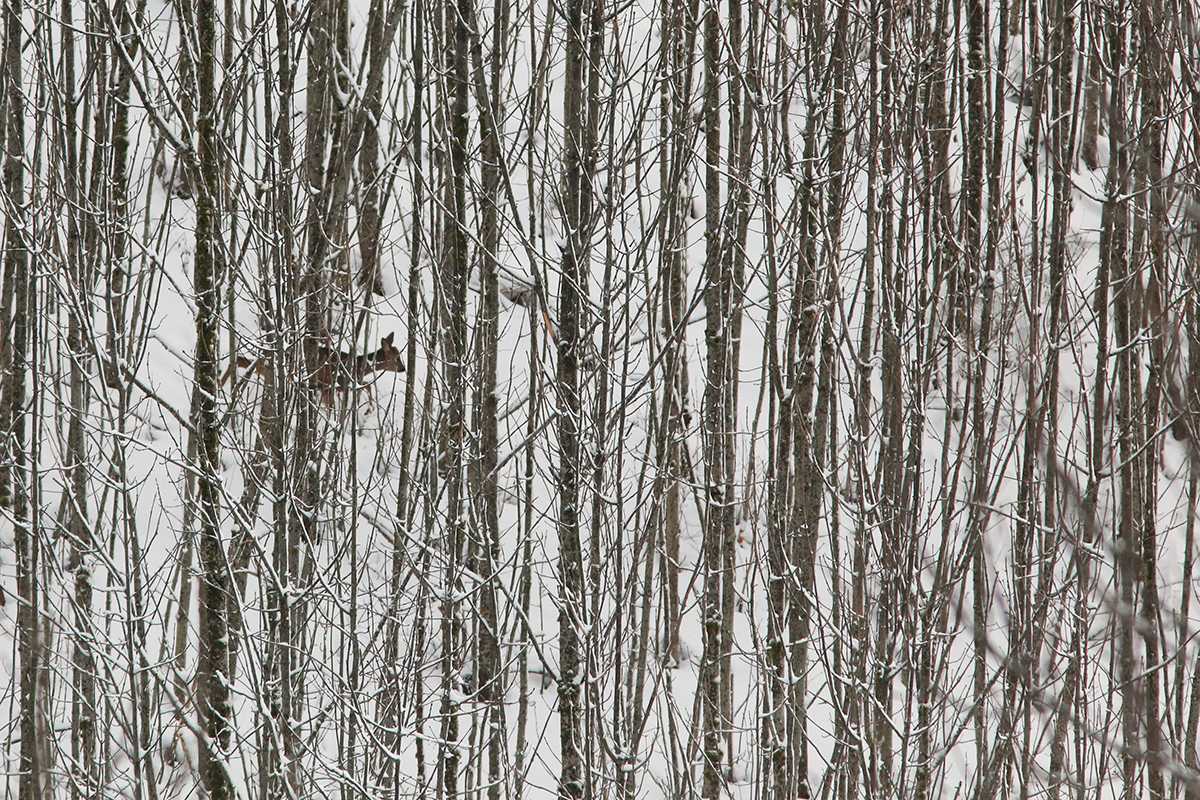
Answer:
(336, 370)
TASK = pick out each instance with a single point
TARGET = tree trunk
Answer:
(83, 681)
(573, 277)
(211, 678)
(491, 677)
(1153, 64)
(715, 412)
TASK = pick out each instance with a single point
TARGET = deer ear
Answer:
(388, 339)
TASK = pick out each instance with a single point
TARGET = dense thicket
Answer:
(677, 399)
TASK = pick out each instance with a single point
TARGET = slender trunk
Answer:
(674, 155)
(974, 154)
(1091, 78)
(1118, 268)
(573, 277)
(279, 757)
(890, 409)
(859, 624)
(83, 711)
(457, 269)
(212, 684)
(1153, 66)
(405, 504)
(371, 274)
(714, 420)
(115, 300)
(14, 481)
(526, 577)
(490, 673)
(778, 482)
(735, 225)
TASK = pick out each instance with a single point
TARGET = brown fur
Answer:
(336, 370)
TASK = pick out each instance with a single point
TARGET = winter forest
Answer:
(664, 399)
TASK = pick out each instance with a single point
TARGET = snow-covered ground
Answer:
(139, 542)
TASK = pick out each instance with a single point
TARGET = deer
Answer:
(336, 370)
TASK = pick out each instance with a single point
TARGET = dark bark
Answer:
(490, 672)
(1091, 34)
(83, 713)
(888, 468)
(454, 288)
(117, 233)
(1152, 68)
(15, 321)
(405, 502)
(211, 672)
(571, 783)
(715, 412)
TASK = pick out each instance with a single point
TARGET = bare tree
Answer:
(572, 283)
(212, 683)
(15, 320)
